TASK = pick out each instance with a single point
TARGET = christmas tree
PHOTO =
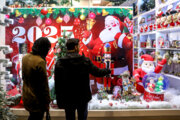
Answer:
(5, 113)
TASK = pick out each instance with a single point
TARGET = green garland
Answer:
(57, 11)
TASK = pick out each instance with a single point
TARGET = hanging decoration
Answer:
(92, 15)
(71, 9)
(21, 20)
(25, 16)
(44, 11)
(38, 21)
(82, 17)
(48, 21)
(69, 12)
(77, 21)
(59, 20)
(50, 10)
(66, 18)
(104, 12)
(90, 23)
(17, 13)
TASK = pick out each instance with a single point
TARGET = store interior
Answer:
(144, 58)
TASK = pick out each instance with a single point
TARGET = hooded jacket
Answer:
(72, 79)
(35, 84)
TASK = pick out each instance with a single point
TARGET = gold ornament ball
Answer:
(82, 17)
(59, 20)
(25, 16)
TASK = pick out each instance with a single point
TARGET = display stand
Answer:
(140, 38)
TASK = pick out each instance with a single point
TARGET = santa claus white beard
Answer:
(148, 70)
(108, 34)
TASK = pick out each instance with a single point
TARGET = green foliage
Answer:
(5, 113)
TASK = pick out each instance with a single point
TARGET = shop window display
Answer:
(117, 91)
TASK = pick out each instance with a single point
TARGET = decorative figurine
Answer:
(151, 85)
(102, 94)
(159, 85)
(148, 43)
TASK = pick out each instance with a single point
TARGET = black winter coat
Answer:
(72, 79)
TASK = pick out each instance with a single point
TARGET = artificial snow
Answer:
(171, 101)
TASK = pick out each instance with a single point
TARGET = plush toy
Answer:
(178, 19)
(175, 62)
(151, 27)
(175, 18)
(178, 7)
(158, 22)
(161, 42)
(145, 28)
(155, 26)
(147, 66)
(141, 29)
(163, 19)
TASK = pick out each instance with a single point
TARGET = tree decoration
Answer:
(17, 13)
(25, 16)
(48, 21)
(44, 11)
(5, 113)
(104, 12)
(7, 16)
(66, 18)
(77, 21)
(59, 20)
(72, 9)
(82, 11)
(38, 21)
(82, 17)
(21, 20)
(90, 23)
(92, 15)
(50, 10)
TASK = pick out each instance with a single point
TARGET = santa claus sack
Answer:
(155, 86)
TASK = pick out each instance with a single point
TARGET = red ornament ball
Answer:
(44, 11)
(77, 21)
(21, 20)
(48, 21)
(92, 15)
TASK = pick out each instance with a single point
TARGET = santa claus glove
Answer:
(86, 34)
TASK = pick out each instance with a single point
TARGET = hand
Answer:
(86, 34)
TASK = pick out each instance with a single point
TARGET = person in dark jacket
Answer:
(36, 97)
(72, 81)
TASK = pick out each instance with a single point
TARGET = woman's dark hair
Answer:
(71, 43)
(41, 47)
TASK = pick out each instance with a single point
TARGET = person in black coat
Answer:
(72, 84)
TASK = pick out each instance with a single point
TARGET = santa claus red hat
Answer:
(147, 57)
(170, 7)
(110, 17)
(160, 13)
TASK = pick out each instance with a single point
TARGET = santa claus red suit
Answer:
(146, 67)
(118, 41)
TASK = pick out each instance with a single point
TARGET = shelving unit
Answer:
(173, 33)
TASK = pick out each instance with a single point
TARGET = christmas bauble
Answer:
(25, 15)
(7, 16)
(82, 17)
(66, 18)
(39, 21)
(21, 20)
(48, 21)
(44, 11)
(92, 15)
(59, 20)
(77, 21)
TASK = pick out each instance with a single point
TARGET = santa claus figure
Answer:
(147, 67)
(145, 28)
(151, 85)
(178, 7)
(119, 42)
(151, 27)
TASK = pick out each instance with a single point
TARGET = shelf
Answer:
(169, 30)
(148, 33)
(168, 49)
(167, 3)
(148, 48)
(148, 12)
(173, 76)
